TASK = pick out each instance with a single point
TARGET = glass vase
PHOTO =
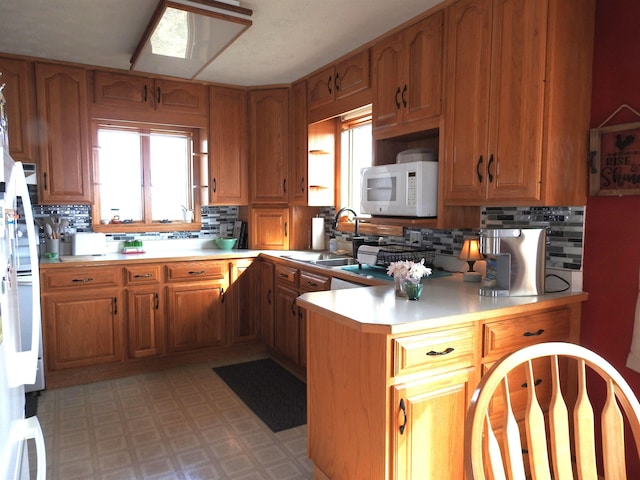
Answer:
(400, 283)
(413, 290)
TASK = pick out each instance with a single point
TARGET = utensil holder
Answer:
(52, 245)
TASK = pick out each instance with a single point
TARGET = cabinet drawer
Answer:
(81, 277)
(450, 349)
(196, 271)
(507, 336)
(142, 274)
(311, 282)
(287, 275)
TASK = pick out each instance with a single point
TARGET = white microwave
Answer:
(404, 189)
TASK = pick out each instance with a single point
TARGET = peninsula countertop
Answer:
(445, 301)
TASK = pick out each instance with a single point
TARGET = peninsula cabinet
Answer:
(228, 159)
(195, 315)
(241, 307)
(19, 91)
(133, 93)
(269, 146)
(518, 96)
(64, 168)
(82, 317)
(406, 390)
(340, 87)
(407, 78)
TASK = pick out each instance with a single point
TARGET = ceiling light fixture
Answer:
(185, 36)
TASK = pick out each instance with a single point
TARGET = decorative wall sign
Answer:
(615, 159)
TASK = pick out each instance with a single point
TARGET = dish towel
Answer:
(368, 254)
(633, 360)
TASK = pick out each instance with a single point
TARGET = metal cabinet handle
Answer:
(215, 185)
(293, 308)
(302, 184)
(157, 302)
(403, 408)
(533, 334)
(199, 272)
(478, 171)
(269, 296)
(397, 97)
(329, 85)
(489, 173)
(222, 295)
(286, 224)
(82, 280)
(312, 284)
(146, 275)
(46, 183)
(337, 82)
(537, 382)
(144, 94)
(284, 185)
(159, 96)
(404, 99)
(115, 306)
(433, 353)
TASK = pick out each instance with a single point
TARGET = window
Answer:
(144, 174)
(356, 154)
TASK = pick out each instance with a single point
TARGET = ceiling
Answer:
(288, 38)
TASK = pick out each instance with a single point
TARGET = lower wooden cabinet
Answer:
(267, 307)
(286, 329)
(241, 309)
(145, 321)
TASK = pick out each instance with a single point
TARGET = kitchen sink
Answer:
(325, 259)
(335, 262)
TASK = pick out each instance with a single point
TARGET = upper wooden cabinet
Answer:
(517, 114)
(269, 228)
(19, 92)
(141, 94)
(269, 146)
(329, 90)
(299, 192)
(407, 78)
(64, 167)
(228, 160)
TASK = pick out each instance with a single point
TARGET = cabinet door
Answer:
(518, 54)
(427, 427)
(145, 328)
(241, 312)
(180, 97)
(466, 121)
(287, 327)
(228, 162)
(64, 156)
(298, 194)
(387, 72)
(19, 92)
(269, 145)
(321, 88)
(421, 94)
(120, 90)
(82, 329)
(269, 229)
(267, 302)
(194, 315)
(352, 75)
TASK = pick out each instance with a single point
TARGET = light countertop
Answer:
(444, 302)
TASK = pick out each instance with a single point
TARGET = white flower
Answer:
(407, 270)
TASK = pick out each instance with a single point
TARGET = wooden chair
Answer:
(549, 424)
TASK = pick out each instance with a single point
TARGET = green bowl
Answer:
(225, 243)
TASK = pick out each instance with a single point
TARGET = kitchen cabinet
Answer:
(167, 98)
(269, 228)
(195, 315)
(144, 311)
(64, 168)
(517, 113)
(407, 73)
(82, 317)
(340, 87)
(299, 194)
(269, 146)
(241, 315)
(399, 386)
(228, 159)
(19, 92)
(286, 328)
(267, 312)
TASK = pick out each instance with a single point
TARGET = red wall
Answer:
(612, 226)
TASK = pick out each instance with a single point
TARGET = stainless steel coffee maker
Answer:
(516, 260)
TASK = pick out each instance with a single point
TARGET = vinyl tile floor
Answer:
(182, 423)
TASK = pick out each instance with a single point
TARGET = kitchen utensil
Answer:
(225, 243)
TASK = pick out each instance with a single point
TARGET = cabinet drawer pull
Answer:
(157, 302)
(398, 99)
(215, 185)
(146, 275)
(403, 409)
(537, 382)
(478, 172)
(144, 94)
(284, 275)
(302, 184)
(489, 173)
(533, 334)
(286, 225)
(269, 296)
(433, 353)
(82, 280)
(293, 308)
(329, 85)
(337, 82)
(46, 185)
(404, 99)
(115, 306)
(284, 185)
(312, 284)
(159, 96)
(199, 272)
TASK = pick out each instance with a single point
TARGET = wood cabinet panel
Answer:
(145, 321)
(143, 274)
(299, 144)
(267, 297)
(81, 278)
(228, 159)
(269, 229)
(64, 168)
(286, 326)
(19, 92)
(205, 270)
(269, 145)
(241, 310)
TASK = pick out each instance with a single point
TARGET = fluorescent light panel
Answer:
(184, 36)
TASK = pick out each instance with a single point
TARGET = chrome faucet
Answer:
(339, 214)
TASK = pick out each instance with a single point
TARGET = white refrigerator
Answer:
(17, 364)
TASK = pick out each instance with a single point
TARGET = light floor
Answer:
(183, 423)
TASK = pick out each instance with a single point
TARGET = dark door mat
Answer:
(275, 395)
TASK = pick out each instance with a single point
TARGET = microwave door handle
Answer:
(26, 362)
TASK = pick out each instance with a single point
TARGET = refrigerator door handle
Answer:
(25, 363)
(25, 429)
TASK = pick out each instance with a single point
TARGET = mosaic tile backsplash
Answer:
(565, 228)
